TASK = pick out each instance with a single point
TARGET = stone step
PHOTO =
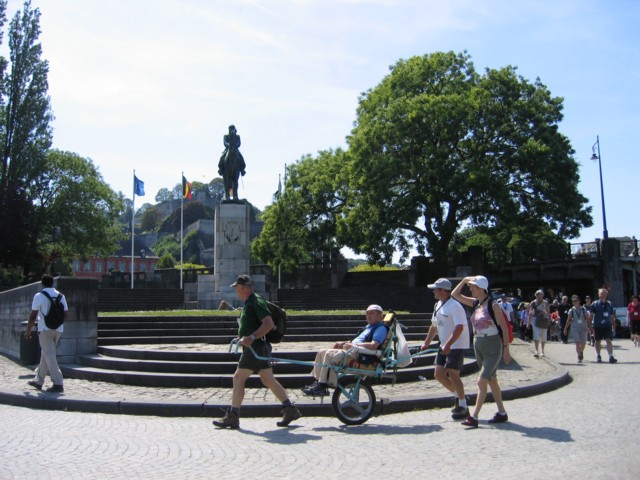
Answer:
(226, 339)
(194, 380)
(185, 364)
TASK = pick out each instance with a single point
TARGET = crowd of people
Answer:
(560, 319)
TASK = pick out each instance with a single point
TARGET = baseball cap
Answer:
(480, 282)
(375, 307)
(440, 283)
(243, 280)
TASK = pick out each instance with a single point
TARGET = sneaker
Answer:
(230, 420)
(499, 418)
(34, 384)
(55, 389)
(536, 355)
(316, 390)
(612, 359)
(289, 414)
(599, 359)
(580, 357)
(542, 355)
(470, 422)
(459, 413)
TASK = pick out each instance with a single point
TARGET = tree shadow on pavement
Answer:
(545, 433)
(382, 429)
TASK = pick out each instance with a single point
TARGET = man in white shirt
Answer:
(508, 309)
(48, 337)
(449, 322)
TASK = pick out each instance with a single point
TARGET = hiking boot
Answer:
(34, 384)
(599, 359)
(316, 390)
(459, 413)
(230, 420)
(612, 359)
(499, 418)
(55, 389)
(289, 414)
(470, 422)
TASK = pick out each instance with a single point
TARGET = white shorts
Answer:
(539, 334)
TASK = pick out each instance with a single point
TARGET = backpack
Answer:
(55, 317)
(493, 317)
(279, 316)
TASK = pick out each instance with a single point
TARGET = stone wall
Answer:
(80, 329)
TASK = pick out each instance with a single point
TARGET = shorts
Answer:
(488, 354)
(453, 361)
(635, 327)
(249, 361)
(578, 333)
(603, 333)
(539, 334)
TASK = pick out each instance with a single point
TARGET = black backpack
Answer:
(55, 317)
(279, 316)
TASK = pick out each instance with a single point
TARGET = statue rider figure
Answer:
(231, 162)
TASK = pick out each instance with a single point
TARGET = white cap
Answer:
(480, 282)
(375, 307)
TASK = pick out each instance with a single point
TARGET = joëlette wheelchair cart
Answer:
(353, 400)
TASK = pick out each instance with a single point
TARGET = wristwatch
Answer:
(252, 337)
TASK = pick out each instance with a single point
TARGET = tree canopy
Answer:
(437, 147)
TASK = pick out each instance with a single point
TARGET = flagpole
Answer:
(133, 231)
(181, 223)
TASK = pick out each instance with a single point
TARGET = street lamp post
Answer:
(594, 157)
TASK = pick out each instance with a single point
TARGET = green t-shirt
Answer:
(254, 310)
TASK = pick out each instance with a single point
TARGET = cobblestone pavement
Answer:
(578, 431)
(524, 370)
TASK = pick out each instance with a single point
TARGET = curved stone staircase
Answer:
(189, 352)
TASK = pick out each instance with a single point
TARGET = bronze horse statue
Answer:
(231, 164)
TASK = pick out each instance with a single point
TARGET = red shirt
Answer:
(634, 312)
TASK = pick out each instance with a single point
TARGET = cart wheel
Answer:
(353, 401)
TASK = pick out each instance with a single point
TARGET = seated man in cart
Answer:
(342, 353)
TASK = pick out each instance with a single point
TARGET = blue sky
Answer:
(152, 85)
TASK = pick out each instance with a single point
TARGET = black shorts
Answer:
(453, 361)
(249, 361)
(603, 333)
(635, 327)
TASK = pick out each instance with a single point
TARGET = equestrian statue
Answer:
(231, 164)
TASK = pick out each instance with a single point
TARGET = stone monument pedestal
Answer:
(231, 256)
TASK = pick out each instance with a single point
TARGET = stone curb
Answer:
(310, 407)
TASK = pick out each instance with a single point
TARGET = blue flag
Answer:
(138, 186)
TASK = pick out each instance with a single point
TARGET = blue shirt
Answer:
(379, 334)
(602, 313)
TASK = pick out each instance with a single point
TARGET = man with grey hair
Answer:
(449, 323)
(604, 322)
(254, 324)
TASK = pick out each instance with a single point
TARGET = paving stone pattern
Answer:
(584, 430)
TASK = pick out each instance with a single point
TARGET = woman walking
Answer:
(578, 323)
(488, 344)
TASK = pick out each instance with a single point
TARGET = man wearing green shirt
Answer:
(255, 322)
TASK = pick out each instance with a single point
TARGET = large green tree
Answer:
(76, 212)
(436, 147)
(302, 223)
(25, 133)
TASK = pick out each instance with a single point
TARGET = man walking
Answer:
(603, 323)
(48, 337)
(449, 322)
(254, 323)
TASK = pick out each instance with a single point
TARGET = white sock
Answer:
(462, 403)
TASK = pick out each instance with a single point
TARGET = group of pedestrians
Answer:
(576, 323)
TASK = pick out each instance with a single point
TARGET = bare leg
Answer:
(482, 395)
(497, 394)
(269, 381)
(239, 381)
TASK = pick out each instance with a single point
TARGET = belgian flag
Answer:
(186, 188)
